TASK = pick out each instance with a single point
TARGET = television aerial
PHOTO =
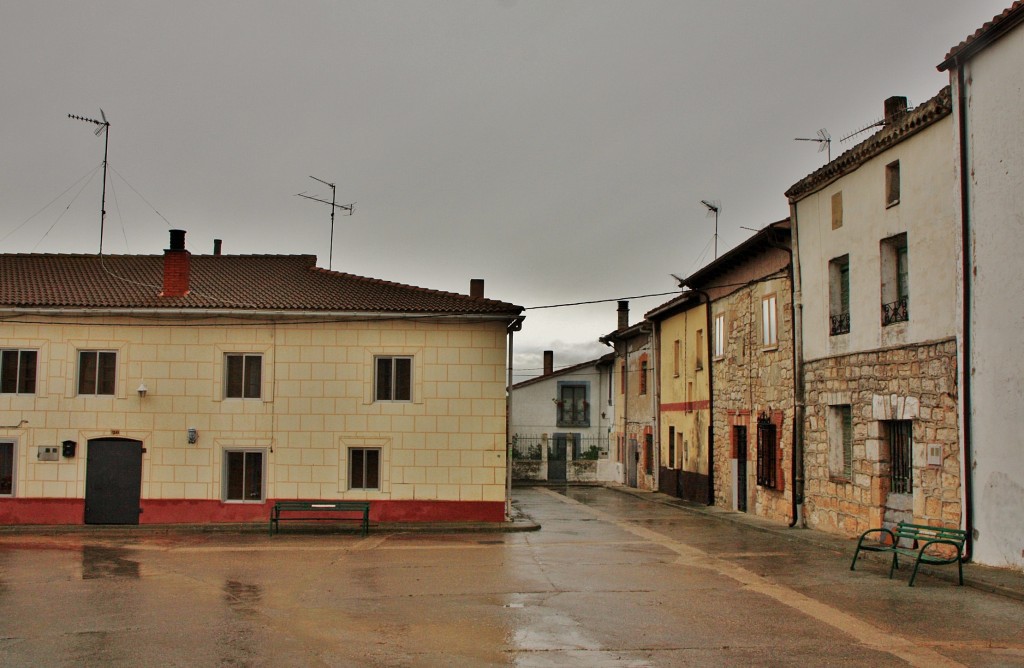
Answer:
(714, 206)
(824, 140)
(102, 128)
(344, 207)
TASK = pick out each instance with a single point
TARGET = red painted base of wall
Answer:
(183, 511)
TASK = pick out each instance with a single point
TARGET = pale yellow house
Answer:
(684, 396)
(183, 388)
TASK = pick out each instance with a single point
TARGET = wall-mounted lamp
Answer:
(142, 390)
(193, 435)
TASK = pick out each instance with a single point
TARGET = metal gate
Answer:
(556, 458)
(113, 481)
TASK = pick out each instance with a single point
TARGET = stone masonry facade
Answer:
(915, 383)
(751, 379)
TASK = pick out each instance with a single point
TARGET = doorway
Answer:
(739, 480)
(113, 481)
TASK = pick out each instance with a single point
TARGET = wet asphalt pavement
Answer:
(610, 579)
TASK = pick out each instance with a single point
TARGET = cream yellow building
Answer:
(202, 388)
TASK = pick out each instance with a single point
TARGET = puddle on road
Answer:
(105, 562)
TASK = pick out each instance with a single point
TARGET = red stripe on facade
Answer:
(185, 511)
(687, 406)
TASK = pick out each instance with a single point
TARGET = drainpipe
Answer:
(965, 370)
(513, 326)
(796, 318)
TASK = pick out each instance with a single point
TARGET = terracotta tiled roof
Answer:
(906, 125)
(985, 35)
(260, 282)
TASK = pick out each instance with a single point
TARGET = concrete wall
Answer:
(996, 166)
(443, 453)
(926, 213)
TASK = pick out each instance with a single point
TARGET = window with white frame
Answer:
(720, 335)
(18, 371)
(839, 295)
(6, 468)
(97, 372)
(895, 269)
(243, 376)
(364, 468)
(393, 378)
(769, 321)
(243, 475)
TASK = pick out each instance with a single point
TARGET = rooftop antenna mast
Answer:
(714, 207)
(344, 207)
(824, 140)
(101, 129)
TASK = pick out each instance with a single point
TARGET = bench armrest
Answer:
(888, 532)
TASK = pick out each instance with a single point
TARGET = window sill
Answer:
(244, 501)
(840, 480)
(891, 204)
(770, 348)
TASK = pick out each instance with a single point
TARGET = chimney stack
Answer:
(549, 362)
(476, 288)
(216, 246)
(177, 266)
(894, 107)
(623, 314)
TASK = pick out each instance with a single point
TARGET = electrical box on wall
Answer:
(934, 454)
(68, 448)
(48, 453)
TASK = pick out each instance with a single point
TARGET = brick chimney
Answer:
(894, 107)
(476, 288)
(177, 266)
(623, 314)
(549, 362)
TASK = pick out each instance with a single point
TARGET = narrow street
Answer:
(610, 579)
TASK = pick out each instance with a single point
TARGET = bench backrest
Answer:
(923, 532)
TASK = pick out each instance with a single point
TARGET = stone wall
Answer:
(751, 378)
(916, 383)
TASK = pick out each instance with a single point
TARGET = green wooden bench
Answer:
(924, 546)
(349, 508)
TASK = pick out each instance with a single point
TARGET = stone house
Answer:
(685, 436)
(201, 388)
(752, 367)
(561, 421)
(876, 238)
(633, 449)
(987, 97)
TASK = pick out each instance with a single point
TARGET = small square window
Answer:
(18, 371)
(97, 372)
(393, 379)
(364, 468)
(243, 475)
(243, 376)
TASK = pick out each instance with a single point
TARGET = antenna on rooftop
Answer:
(714, 207)
(344, 207)
(873, 124)
(102, 128)
(824, 140)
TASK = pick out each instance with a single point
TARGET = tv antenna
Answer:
(344, 207)
(824, 140)
(714, 207)
(873, 124)
(101, 129)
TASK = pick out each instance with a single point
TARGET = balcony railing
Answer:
(839, 324)
(895, 312)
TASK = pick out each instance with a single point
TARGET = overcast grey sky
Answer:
(558, 150)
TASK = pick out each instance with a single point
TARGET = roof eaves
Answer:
(909, 124)
(766, 237)
(984, 36)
